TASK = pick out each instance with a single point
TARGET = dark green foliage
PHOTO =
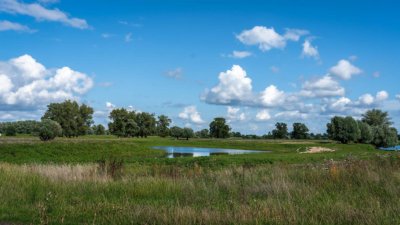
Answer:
(343, 129)
(300, 131)
(203, 133)
(163, 123)
(235, 134)
(365, 133)
(99, 129)
(219, 128)
(187, 133)
(75, 119)
(384, 136)
(176, 132)
(48, 130)
(11, 130)
(146, 124)
(376, 117)
(281, 131)
(21, 127)
(119, 123)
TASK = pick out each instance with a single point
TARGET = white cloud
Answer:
(340, 104)
(49, 1)
(291, 115)
(295, 34)
(366, 99)
(175, 73)
(309, 50)
(110, 106)
(263, 115)
(191, 114)
(41, 13)
(240, 54)
(344, 70)
(25, 83)
(267, 38)
(234, 87)
(398, 97)
(11, 26)
(272, 96)
(322, 87)
(382, 96)
(128, 37)
(234, 114)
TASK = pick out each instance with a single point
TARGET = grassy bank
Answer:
(351, 191)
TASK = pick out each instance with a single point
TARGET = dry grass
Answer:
(88, 172)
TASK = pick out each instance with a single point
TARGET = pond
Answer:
(394, 148)
(175, 152)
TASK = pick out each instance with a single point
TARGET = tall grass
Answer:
(350, 191)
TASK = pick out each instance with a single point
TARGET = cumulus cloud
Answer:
(398, 96)
(41, 13)
(263, 115)
(6, 25)
(272, 96)
(309, 50)
(191, 114)
(325, 86)
(344, 70)
(382, 96)
(240, 54)
(234, 114)
(366, 99)
(234, 87)
(25, 83)
(267, 38)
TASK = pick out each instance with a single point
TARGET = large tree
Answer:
(376, 117)
(300, 131)
(280, 131)
(146, 123)
(73, 118)
(343, 129)
(163, 123)
(187, 133)
(365, 132)
(219, 128)
(122, 123)
(383, 135)
(204, 133)
(176, 132)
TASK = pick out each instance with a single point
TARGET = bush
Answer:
(49, 129)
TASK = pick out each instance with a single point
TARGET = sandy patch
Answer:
(317, 150)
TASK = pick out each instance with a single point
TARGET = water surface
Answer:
(174, 152)
(394, 148)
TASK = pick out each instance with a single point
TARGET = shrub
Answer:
(49, 129)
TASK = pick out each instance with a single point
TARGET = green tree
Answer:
(384, 136)
(49, 129)
(300, 131)
(99, 129)
(376, 117)
(187, 133)
(219, 128)
(146, 123)
(203, 133)
(343, 129)
(280, 131)
(176, 132)
(163, 123)
(10, 130)
(365, 133)
(74, 119)
(119, 123)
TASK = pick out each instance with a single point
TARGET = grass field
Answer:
(106, 180)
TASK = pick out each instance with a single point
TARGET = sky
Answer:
(253, 62)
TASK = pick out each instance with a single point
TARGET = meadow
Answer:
(107, 180)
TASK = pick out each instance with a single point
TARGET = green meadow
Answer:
(108, 180)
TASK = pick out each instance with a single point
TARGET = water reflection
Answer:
(177, 152)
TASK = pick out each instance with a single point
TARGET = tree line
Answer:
(70, 119)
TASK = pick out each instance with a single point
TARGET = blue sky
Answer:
(252, 62)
